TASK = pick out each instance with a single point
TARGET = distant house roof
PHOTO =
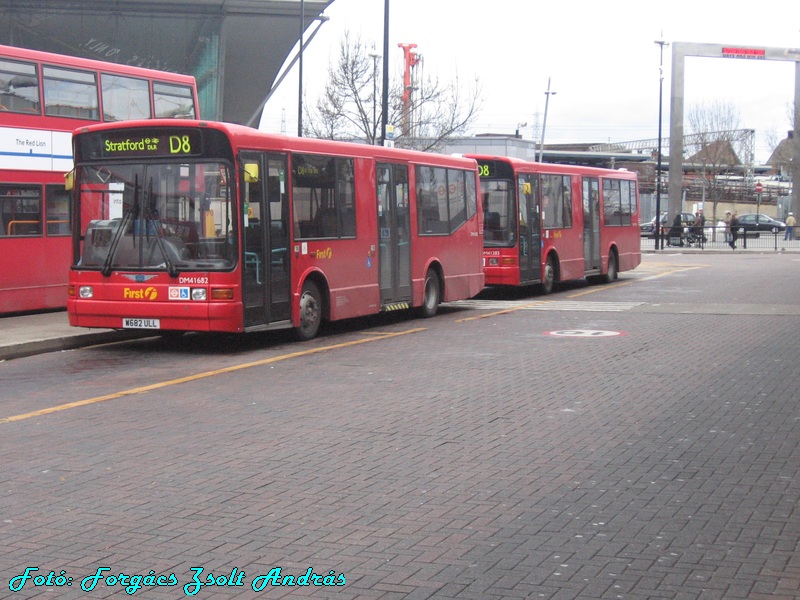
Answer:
(782, 155)
(718, 152)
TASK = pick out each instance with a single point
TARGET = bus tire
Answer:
(431, 295)
(310, 312)
(613, 272)
(549, 276)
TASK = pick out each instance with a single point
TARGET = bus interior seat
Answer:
(327, 222)
(252, 238)
(491, 223)
(277, 234)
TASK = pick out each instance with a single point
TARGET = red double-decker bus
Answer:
(203, 226)
(43, 98)
(546, 223)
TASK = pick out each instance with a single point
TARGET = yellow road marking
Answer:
(189, 378)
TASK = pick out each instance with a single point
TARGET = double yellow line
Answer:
(189, 378)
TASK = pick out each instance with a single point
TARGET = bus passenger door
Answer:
(530, 246)
(265, 260)
(591, 224)
(394, 233)
(278, 237)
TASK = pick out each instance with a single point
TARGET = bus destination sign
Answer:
(493, 169)
(144, 143)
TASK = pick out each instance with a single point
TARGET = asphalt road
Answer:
(634, 440)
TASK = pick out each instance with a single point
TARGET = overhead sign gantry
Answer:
(680, 50)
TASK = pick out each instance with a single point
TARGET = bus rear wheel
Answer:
(549, 276)
(310, 312)
(612, 272)
(431, 296)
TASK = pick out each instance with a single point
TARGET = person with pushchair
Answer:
(697, 230)
(675, 234)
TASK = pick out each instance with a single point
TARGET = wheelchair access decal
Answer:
(583, 333)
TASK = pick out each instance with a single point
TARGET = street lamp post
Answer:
(300, 71)
(657, 221)
(374, 56)
(385, 87)
(547, 94)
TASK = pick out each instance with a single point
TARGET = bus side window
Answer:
(21, 210)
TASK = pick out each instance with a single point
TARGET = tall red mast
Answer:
(410, 60)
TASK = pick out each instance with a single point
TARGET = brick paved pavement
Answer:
(480, 458)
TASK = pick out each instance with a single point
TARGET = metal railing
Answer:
(718, 238)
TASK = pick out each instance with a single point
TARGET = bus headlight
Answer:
(199, 294)
(85, 291)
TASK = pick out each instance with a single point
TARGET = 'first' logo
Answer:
(148, 293)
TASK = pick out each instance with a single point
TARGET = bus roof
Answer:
(249, 138)
(523, 165)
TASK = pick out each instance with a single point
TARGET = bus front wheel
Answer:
(431, 295)
(310, 311)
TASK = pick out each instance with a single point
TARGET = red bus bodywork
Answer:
(268, 289)
(35, 143)
(589, 238)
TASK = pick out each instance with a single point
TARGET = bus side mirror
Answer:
(251, 172)
(69, 180)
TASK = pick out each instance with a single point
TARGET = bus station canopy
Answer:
(234, 48)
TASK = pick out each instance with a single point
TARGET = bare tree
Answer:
(350, 107)
(440, 112)
(716, 145)
(772, 139)
(344, 111)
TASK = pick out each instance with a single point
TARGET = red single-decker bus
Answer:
(545, 223)
(205, 226)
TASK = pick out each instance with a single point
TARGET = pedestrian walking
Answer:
(727, 221)
(790, 223)
(734, 227)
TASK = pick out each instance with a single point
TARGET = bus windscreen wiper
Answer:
(151, 216)
(130, 214)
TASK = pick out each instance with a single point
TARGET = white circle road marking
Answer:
(590, 333)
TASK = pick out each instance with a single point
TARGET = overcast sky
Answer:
(600, 56)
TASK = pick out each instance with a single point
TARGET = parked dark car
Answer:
(646, 229)
(687, 220)
(759, 222)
